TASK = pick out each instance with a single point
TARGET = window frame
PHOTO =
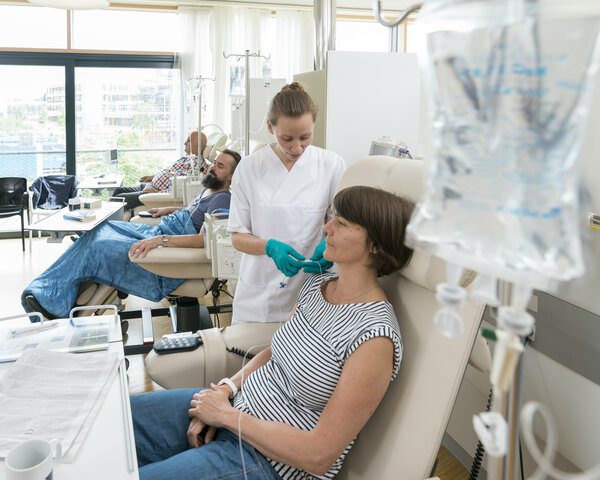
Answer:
(70, 61)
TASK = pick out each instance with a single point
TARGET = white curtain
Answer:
(292, 49)
(195, 59)
(208, 32)
(234, 30)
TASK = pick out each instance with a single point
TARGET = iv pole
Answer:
(495, 464)
(199, 85)
(247, 55)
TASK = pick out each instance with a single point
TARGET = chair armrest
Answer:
(155, 200)
(172, 255)
(25, 201)
(176, 262)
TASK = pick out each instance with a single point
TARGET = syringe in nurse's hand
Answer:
(283, 281)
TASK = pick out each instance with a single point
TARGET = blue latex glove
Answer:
(287, 260)
(318, 264)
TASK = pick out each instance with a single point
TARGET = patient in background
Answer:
(102, 254)
(298, 405)
(161, 181)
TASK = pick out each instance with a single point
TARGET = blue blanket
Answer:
(102, 256)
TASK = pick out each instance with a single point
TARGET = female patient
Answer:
(299, 404)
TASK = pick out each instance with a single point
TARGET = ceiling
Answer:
(386, 5)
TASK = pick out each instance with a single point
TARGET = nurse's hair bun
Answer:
(292, 86)
(292, 101)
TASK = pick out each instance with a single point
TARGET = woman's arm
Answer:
(248, 243)
(258, 361)
(364, 380)
(197, 425)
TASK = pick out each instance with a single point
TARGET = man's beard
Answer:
(211, 181)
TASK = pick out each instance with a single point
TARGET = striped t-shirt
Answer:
(308, 355)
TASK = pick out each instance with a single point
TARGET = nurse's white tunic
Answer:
(268, 201)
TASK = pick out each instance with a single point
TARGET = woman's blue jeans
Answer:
(160, 423)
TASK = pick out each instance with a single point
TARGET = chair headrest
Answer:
(216, 138)
(404, 177)
(216, 141)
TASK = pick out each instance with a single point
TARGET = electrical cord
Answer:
(480, 450)
(240, 352)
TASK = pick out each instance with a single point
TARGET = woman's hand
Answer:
(195, 437)
(210, 406)
(144, 246)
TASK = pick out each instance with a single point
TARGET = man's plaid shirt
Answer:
(182, 167)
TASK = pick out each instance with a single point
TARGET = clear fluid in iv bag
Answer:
(508, 91)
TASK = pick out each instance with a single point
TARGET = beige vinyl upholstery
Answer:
(172, 198)
(403, 437)
(176, 262)
(215, 142)
(211, 362)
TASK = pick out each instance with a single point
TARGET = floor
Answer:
(18, 268)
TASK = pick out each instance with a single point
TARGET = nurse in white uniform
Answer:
(280, 201)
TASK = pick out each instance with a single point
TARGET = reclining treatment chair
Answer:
(403, 437)
(181, 192)
(189, 263)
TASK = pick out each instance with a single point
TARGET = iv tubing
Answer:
(544, 461)
(494, 464)
(515, 396)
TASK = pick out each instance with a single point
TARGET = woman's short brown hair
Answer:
(384, 215)
(292, 101)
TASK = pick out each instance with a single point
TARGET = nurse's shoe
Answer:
(35, 306)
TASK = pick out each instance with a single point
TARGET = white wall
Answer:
(370, 95)
(365, 96)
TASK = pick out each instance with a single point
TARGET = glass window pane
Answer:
(415, 40)
(32, 121)
(134, 111)
(361, 36)
(32, 27)
(125, 30)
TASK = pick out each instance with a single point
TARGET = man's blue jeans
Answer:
(160, 423)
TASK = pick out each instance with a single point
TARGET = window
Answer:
(32, 27)
(63, 111)
(361, 36)
(32, 121)
(415, 40)
(140, 121)
(125, 30)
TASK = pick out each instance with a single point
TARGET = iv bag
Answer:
(509, 84)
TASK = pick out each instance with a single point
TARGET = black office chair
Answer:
(14, 200)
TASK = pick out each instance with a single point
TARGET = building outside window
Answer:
(32, 121)
(133, 110)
